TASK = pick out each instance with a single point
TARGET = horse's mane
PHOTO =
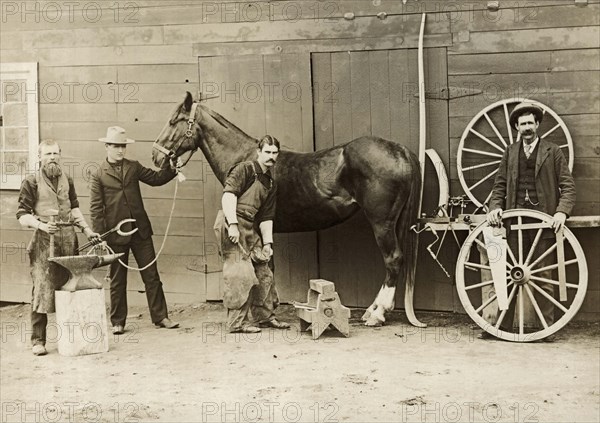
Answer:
(227, 124)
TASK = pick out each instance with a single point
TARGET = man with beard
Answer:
(49, 189)
(533, 174)
(115, 195)
(249, 208)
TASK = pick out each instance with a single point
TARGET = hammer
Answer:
(51, 215)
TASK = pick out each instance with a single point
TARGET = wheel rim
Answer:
(487, 136)
(523, 280)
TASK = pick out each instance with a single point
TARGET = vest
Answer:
(48, 199)
(526, 179)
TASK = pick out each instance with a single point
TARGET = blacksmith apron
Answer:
(244, 289)
(48, 276)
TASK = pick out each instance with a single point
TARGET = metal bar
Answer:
(422, 110)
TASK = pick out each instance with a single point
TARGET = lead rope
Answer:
(166, 233)
(110, 250)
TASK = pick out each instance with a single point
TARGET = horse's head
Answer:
(179, 135)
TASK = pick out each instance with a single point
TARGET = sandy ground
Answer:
(200, 373)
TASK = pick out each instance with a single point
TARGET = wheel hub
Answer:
(520, 275)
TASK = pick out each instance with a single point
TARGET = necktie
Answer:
(527, 150)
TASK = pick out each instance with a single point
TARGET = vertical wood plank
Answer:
(380, 93)
(361, 94)
(340, 96)
(323, 111)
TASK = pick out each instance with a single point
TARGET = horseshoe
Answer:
(116, 229)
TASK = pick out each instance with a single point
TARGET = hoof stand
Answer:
(323, 309)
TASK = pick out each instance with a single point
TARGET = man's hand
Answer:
(559, 221)
(234, 233)
(49, 228)
(267, 250)
(92, 236)
(494, 218)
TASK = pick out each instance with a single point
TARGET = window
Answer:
(19, 134)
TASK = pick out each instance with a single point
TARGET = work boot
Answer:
(166, 323)
(39, 349)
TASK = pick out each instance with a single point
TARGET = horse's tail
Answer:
(408, 217)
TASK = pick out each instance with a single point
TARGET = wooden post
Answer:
(51, 215)
(81, 321)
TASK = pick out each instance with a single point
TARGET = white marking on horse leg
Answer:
(386, 298)
(368, 312)
(383, 302)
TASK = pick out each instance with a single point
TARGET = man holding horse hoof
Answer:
(115, 195)
(48, 204)
(533, 174)
(244, 229)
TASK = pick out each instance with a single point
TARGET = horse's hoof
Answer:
(373, 322)
(366, 316)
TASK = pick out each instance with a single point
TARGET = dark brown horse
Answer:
(318, 190)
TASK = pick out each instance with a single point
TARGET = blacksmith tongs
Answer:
(116, 229)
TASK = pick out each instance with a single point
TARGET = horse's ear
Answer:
(187, 102)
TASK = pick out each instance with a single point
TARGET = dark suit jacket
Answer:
(113, 199)
(554, 183)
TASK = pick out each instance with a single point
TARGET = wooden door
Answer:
(262, 94)
(376, 93)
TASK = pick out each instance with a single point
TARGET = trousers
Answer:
(143, 251)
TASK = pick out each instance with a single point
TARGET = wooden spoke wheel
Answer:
(532, 271)
(487, 136)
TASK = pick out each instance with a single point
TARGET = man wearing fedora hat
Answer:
(115, 195)
(533, 174)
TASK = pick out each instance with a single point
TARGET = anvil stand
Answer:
(80, 306)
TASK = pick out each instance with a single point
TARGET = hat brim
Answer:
(536, 111)
(109, 141)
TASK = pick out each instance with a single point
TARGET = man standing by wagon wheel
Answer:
(533, 174)
(244, 229)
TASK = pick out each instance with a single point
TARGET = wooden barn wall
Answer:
(130, 66)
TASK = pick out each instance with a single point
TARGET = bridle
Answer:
(172, 154)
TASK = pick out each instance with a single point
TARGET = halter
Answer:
(172, 154)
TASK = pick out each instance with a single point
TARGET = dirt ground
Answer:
(396, 373)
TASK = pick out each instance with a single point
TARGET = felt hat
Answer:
(525, 108)
(116, 135)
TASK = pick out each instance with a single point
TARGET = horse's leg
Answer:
(385, 235)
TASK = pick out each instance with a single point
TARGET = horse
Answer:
(318, 190)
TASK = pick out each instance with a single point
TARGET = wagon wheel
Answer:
(524, 285)
(486, 137)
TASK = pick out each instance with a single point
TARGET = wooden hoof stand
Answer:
(322, 309)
